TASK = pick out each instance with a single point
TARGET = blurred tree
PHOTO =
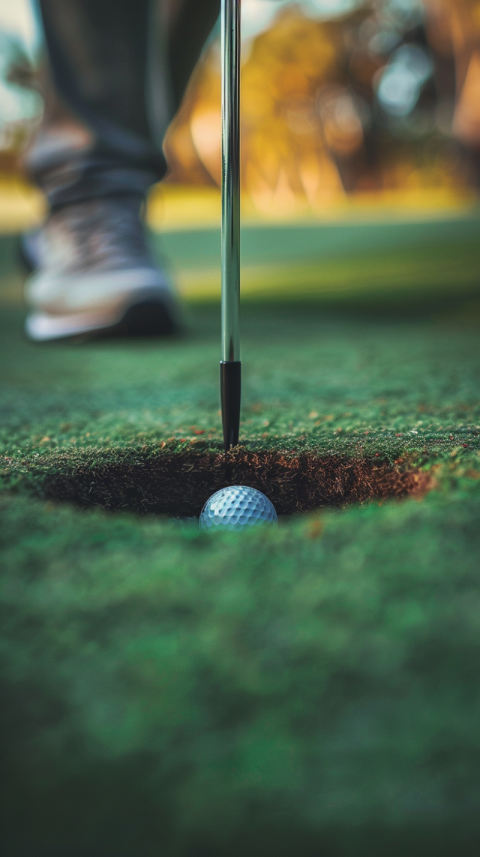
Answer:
(356, 103)
(20, 102)
(386, 95)
(454, 29)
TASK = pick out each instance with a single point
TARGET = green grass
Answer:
(374, 266)
(310, 689)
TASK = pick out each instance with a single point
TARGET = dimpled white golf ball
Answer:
(236, 508)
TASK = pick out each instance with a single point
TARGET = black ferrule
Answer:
(230, 393)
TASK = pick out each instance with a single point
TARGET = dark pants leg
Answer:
(118, 72)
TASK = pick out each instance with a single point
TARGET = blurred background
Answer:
(342, 97)
(350, 109)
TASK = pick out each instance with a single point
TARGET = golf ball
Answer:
(236, 508)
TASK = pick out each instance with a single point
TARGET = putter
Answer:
(230, 365)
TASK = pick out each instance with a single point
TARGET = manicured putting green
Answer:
(309, 689)
(370, 264)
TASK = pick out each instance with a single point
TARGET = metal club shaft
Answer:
(230, 366)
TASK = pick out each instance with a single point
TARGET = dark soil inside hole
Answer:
(178, 485)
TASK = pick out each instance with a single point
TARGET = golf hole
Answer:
(179, 484)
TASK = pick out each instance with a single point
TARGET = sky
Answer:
(18, 18)
(257, 14)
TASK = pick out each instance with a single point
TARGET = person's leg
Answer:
(118, 69)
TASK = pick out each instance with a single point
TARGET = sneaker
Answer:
(96, 275)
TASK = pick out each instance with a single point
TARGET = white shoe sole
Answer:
(128, 302)
(150, 317)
